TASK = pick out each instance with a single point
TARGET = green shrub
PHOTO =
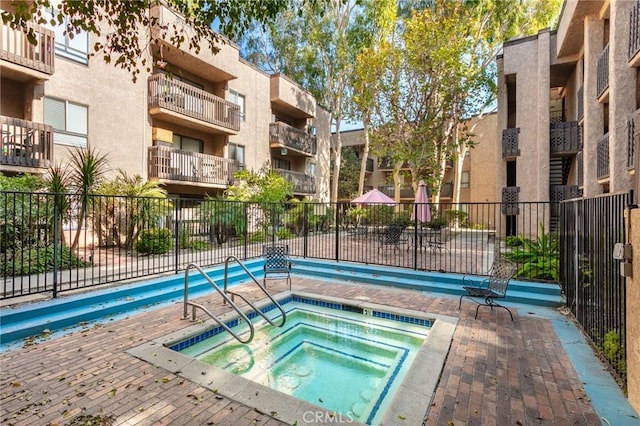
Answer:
(438, 222)
(258, 237)
(614, 350)
(37, 260)
(459, 215)
(539, 258)
(154, 241)
(198, 245)
(284, 234)
(514, 240)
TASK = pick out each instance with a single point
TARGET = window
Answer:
(188, 144)
(69, 121)
(236, 152)
(74, 46)
(310, 168)
(279, 163)
(238, 99)
(464, 180)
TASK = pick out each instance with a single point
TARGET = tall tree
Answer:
(126, 28)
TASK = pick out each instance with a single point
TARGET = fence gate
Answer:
(590, 276)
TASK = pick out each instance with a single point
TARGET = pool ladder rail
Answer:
(230, 300)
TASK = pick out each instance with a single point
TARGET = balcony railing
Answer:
(386, 163)
(580, 96)
(634, 30)
(510, 197)
(559, 193)
(15, 48)
(510, 143)
(190, 101)
(185, 166)
(565, 137)
(603, 72)
(389, 190)
(281, 134)
(25, 143)
(302, 183)
(631, 146)
(602, 167)
(580, 166)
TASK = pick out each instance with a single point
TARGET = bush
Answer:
(459, 215)
(37, 260)
(284, 234)
(438, 222)
(154, 241)
(258, 237)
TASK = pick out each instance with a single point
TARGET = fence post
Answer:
(337, 233)
(246, 228)
(176, 230)
(305, 230)
(56, 240)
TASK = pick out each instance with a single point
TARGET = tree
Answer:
(126, 28)
(348, 185)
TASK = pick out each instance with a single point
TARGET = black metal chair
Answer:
(493, 287)
(277, 264)
(391, 236)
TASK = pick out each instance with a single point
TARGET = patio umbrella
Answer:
(374, 197)
(421, 209)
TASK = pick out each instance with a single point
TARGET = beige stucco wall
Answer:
(633, 306)
(481, 162)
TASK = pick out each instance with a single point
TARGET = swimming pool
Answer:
(358, 361)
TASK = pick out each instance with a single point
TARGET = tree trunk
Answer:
(365, 156)
(337, 160)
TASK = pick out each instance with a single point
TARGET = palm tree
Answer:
(57, 183)
(87, 171)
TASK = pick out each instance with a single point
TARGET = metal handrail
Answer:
(224, 297)
(264, 290)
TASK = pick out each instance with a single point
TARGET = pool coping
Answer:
(419, 383)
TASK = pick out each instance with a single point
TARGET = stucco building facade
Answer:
(190, 122)
(567, 107)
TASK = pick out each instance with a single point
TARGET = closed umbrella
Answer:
(421, 209)
(374, 197)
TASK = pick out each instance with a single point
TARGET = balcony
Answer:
(282, 135)
(386, 163)
(510, 199)
(565, 138)
(634, 35)
(180, 103)
(175, 165)
(25, 144)
(406, 191)
(510, 143)
(302, 183)
(25, 61)
(559, 193)
(602, 148)
(602, 83)
(290, 99)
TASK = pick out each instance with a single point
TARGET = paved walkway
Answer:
(498, 372)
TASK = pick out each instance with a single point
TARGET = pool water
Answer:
(341, 361)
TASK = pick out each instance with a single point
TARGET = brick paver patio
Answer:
(498, 372)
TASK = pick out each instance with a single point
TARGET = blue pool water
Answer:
(342, 361)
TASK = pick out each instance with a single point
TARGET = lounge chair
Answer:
(277, 264)
(493, 287)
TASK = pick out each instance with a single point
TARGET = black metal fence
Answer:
(54, 243)
(590, 276)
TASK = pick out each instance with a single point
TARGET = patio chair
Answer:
(493, 287)
(391, 236)
(439, 240)
(277, 264)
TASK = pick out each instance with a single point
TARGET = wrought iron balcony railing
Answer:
(559, 193)
(283, 135)
(188, 100)
(302, 183)
(634, 30)
(580, 168)
(565, 137)
(580, 96)
(15, 47)
(25, 143)
(602, 148)
(510, 143)
(185, 166)
(510, 198)
(602, 83)
(631, 136)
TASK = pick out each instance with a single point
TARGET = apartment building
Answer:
(476, 177)
(190, 123)
(567, 107)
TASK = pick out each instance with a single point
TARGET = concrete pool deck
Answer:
(534, 370)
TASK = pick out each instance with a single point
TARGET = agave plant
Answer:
(539, 258)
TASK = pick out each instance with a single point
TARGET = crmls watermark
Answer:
(325, 417)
